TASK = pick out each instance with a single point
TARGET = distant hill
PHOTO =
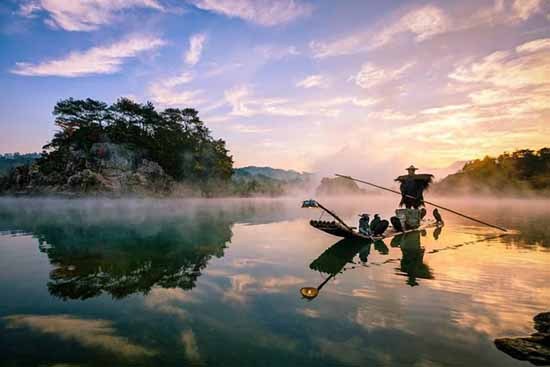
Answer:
(12, 160)
(442, 172)
(523, 171)
(338, 186)
(273, 173)
(252, 180)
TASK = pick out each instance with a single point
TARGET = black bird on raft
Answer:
(437, 216)
(374, 222)
(380, 227)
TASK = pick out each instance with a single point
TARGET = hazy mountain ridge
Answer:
(254, 180)
(524, 171)
(272, 173)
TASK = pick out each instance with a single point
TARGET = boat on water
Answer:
(339, 228)
(409, 219)
(336, 229)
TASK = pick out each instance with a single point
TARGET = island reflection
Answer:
(121, 255)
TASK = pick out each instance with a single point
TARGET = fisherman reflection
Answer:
(412, 260)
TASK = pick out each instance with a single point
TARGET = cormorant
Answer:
(374, 222)
(380, 227)
(437, 216)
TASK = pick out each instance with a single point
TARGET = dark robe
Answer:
(413, 185)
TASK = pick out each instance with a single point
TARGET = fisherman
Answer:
(364, 224)
(412, 188)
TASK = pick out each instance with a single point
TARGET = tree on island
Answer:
(176, 139)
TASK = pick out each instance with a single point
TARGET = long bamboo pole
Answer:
(425, 201)
(335, 216)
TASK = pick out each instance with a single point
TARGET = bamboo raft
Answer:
(336, 229)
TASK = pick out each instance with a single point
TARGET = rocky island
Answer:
(124, 148)
(534, 348)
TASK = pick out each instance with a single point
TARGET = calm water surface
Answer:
(217, 283)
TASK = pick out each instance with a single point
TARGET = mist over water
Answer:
(216, 282)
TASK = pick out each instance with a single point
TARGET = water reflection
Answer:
(120, 256)
(334, 260)
(412, 261)
(169, 255)
(245, 263)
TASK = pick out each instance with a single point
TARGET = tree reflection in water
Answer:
(121, 256)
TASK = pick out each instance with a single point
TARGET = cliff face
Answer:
(107, 168)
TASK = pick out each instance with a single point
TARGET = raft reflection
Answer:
(334, 260)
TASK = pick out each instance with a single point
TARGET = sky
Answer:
(355, 86)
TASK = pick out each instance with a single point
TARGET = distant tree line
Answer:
(521, 171)
(9, 161)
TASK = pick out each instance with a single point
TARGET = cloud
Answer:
(244, 103)
(29, 9)
(168, 96)
(196, 43)
(216, 69)
(82, 15)
(91, 333)
(237, 99)
(500, 13)
(309, 312)
(509, 69)
(96, 60)
(244, 285)
(314, 81)
(183, 78)
(169, 300)
(390, 115)
(371, 76)
(249, 129)
(542, 44)
(270, 52)
(442, 109)
(424, 23)
(524, 9)
(262, 12)
(190, 345)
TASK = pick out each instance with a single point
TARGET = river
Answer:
(217, 283)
